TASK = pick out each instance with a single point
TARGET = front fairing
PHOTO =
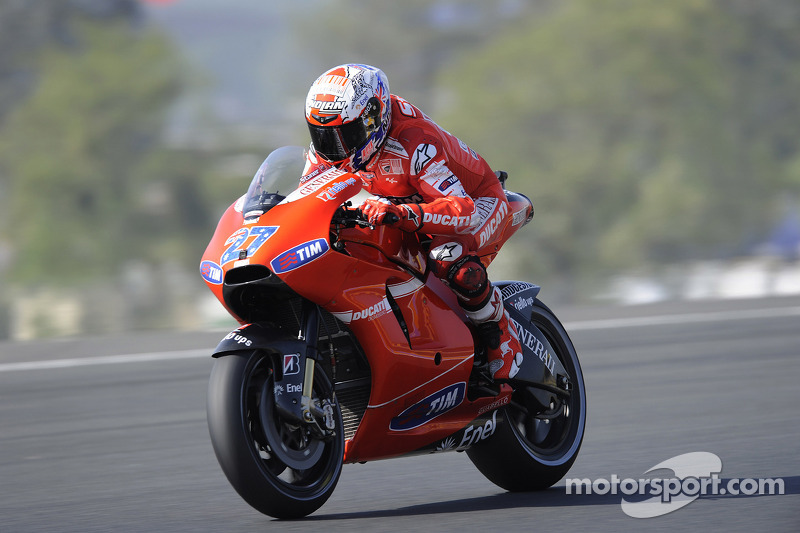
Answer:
(287, 234)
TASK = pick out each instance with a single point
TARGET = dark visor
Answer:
(336, 143)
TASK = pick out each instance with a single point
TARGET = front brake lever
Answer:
(350, 218)
(361, 220)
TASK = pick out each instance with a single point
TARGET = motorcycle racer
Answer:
(431, 181)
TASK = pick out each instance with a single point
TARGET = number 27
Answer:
(240, 236)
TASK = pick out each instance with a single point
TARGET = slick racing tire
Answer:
(532, 453)
(276, 466)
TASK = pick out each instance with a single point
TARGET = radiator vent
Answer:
(353, 399)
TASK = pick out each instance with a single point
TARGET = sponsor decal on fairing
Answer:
(313, 185)
(472, 434)
(370, 313)
(429, 408)
(522, 303)
(238, 338)
(509, 291)
(291, 364)
(331, 192)
(519, 218)
(495, 405)
(529, 340)
(211, 272)
(299, 255)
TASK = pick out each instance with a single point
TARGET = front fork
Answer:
(294, 385)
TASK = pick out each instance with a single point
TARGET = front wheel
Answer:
(531, 451)
(276, 465)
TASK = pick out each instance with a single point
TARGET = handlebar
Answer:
(350, 218)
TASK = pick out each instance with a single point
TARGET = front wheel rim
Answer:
(298, 468)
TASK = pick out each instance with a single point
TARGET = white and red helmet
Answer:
(348, 113)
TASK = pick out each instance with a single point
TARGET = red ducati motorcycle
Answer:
(351, 350)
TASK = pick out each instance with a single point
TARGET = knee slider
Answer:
(468, 277)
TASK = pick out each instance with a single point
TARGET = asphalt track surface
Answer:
(109, 434)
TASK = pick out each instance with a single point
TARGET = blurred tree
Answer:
(411, 40)
(645, 132)
(88, 185)
(28, 27)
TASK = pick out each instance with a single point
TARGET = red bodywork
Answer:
(352, 285)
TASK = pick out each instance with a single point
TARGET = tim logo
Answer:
(448, 182)
(291, 364)
(211, 272)
(299, 256)
(434, 405)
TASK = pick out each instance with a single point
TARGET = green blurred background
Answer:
(659, 140)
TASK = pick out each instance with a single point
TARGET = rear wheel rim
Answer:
(554, 440)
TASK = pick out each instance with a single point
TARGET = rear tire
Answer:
(529, 453)
(242, 420)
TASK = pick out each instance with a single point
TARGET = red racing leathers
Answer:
(438, 185)
(453, 190)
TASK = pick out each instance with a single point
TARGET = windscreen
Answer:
(277, 176)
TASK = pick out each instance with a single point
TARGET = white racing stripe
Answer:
(585, 325)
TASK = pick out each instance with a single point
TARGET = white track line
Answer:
(585, 325)
(687, 318)
(106, 360)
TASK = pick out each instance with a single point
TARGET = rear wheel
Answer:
(533, 451)
(277, 466)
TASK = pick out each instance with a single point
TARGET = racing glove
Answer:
(407, 217)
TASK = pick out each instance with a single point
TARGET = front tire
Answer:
(529, 453)
(242, 421)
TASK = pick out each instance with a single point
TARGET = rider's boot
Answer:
(500, 336)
